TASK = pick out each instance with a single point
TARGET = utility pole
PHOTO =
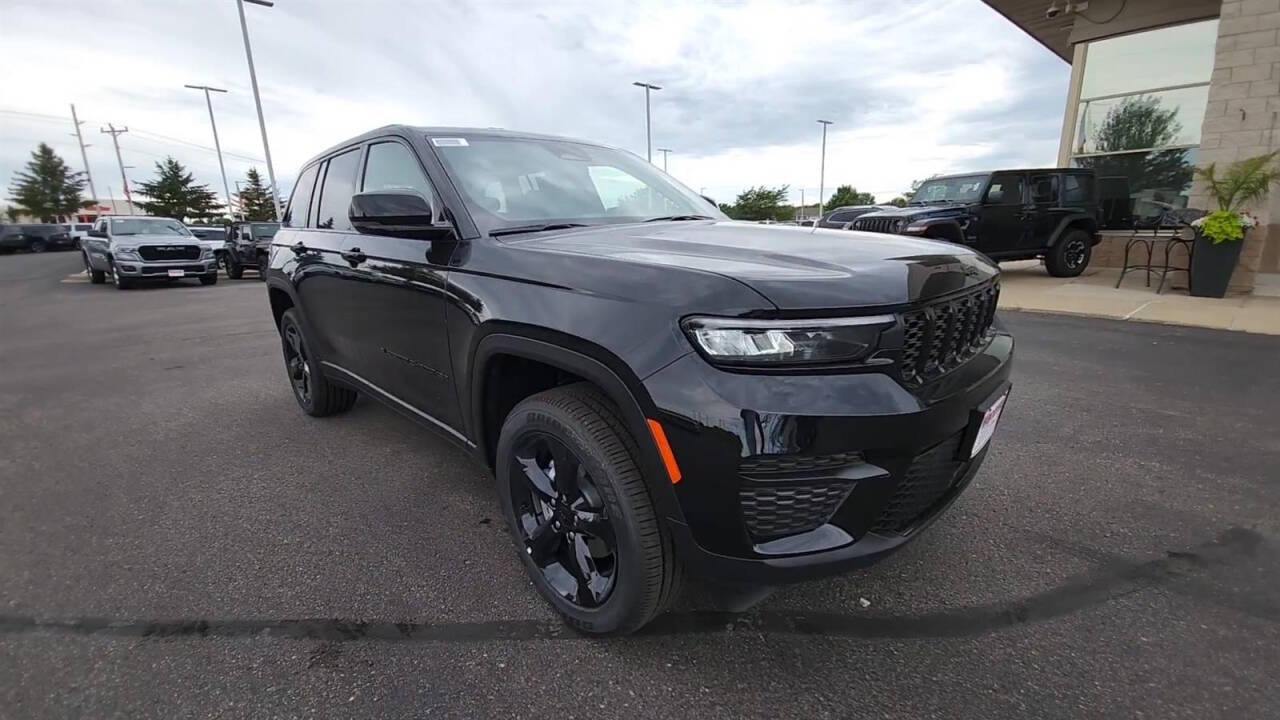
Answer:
(115, 140)
(648, 133)
(257, 100)
(216, 146)
(822, 171)
(664, 152)
(801, 213)
(83, 155)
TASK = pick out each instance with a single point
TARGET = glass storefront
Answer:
(1142, 102)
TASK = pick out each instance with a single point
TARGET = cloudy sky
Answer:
(914, 88)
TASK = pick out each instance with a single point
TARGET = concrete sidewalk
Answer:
(1026, 286)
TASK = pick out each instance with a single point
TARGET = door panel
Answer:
(1002, 221)
(1044, 201)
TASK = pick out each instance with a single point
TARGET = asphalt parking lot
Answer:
(178, 540)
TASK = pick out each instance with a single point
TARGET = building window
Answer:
(1142, 102)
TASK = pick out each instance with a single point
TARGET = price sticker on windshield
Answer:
(449, 142)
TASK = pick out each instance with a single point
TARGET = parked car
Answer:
(77, 231)
(34, 237)
(247, 246)
(133, 249)
(213, 237)
(657, 389)
(1053, 214)
(841, 217)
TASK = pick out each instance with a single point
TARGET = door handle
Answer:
(354, 256)
(299, 248)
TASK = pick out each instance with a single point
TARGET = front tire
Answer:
(1070, 256)
(315, 393)
(97, 277)
(235, 270)
(37, 246)
(121, 283)
(210, 279)
(263, 263)
(572, 492)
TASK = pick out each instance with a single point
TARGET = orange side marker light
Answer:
(664, 449)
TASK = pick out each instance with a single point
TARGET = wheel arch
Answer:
(944, 229)
(582, 360)
(1075, 221)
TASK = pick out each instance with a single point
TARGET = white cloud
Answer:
(914, 88)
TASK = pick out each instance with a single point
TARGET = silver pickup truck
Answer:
(133, 249)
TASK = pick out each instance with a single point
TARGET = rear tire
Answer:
(316, 394)
(97, 277)
(263, 263)
(645, 572)
(37, 246)
(1070, 255)
(235, 270)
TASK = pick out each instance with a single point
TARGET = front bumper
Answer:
(791, 477)
(159, 270)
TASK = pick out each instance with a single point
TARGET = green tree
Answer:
(848, 195)
(1140, 122)
(761, 203)
(254, 199)
(47, 189)
(174, 193)
(14, 212)
(900, 201)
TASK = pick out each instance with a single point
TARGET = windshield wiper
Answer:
(519, 229)
(679, 217)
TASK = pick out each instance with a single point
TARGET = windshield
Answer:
(513, 182)
(148, 226)
(264, 230)
(950, 190)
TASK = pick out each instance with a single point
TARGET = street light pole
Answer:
(216, 145)
(257, 101)
(115, 134)
(648, 133)
(664, 152)
(822, 170)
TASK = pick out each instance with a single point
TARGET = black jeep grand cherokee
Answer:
(657, 390)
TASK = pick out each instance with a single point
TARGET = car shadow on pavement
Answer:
(1105, 583)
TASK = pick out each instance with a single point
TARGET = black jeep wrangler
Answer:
(247, 246)
(1007, 215)
(657, 389)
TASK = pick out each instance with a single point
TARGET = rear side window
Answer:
(335, 193)
(300, 202)
(1076, 189)
(842, 217)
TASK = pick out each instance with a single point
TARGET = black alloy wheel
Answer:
(234, 269)
(562, 520)
(298, 365)
(263, 263)
(1071, 255)
(37, 246)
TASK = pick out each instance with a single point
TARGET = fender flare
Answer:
(1084, 220)
(951, 224)
(593, 364)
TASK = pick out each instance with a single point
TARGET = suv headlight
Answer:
(787, 342)
(127, 250)
(901, 225)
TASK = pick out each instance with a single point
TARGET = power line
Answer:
(143, 134)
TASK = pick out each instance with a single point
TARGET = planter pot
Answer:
(1212, 265)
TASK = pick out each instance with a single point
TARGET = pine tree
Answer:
(48, 189)
(254, 199)
(175, 194)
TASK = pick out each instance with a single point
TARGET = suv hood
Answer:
(795, 268)
(155, 240)
(918, 212)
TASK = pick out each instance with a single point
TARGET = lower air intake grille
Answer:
(929, 478)
(772, 511)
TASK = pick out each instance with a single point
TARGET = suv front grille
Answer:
(929, 479)
(777, 510)
(765, 465)
(940, 337)
(169, 252)
(880, 225)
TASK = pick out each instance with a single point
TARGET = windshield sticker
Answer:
(449, 142)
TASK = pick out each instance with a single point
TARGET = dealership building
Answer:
(1160, 86)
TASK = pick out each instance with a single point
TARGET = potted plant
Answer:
(1220, 234)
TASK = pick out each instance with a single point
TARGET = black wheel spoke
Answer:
(536, 475)
(567, 468)
(542, 543)
(582, 567)
(594, 523)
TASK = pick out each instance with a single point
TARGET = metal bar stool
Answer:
(1181, 221)
(1148, 243)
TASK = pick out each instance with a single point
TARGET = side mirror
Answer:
(395, 213)
(995, 196)
(97, 234)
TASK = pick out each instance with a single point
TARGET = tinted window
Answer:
(1044, 188)
(148, 226)
(950, 190)
(300, 202)
(1076, 189)
(391, 165)
(842, 217)
(335, 193)
(1005, 190)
